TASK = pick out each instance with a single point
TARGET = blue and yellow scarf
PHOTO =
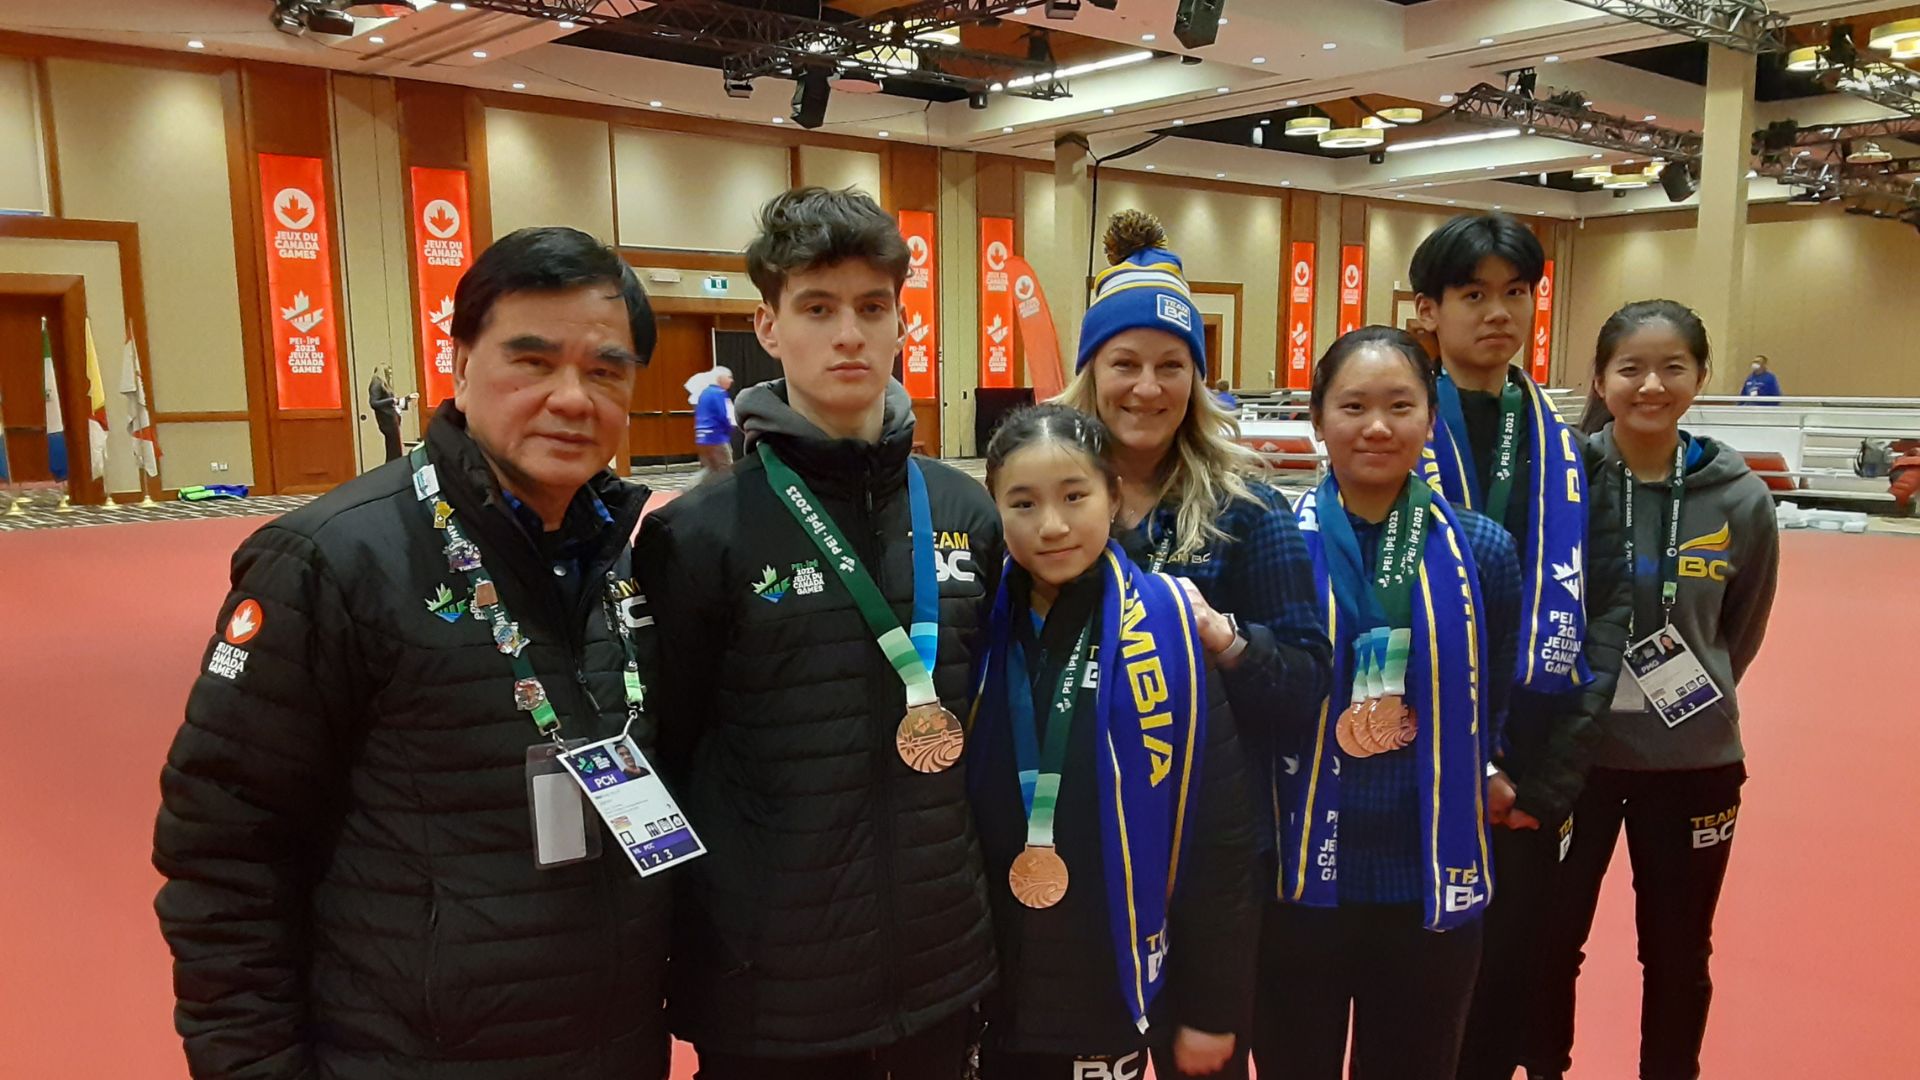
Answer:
(1552, 657)
(1444, 690)
(1151, 707)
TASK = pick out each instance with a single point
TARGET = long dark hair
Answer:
(1352, 342)
(1062, 424)
(1634, 316)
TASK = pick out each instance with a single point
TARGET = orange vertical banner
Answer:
(996, 302)
(442, 251)
(306, 357)
(1299, 374)
(920, 308)
(1353, 291)
(1543, 327)
(1037, 331)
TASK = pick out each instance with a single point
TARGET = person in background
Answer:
(713, 418)
(820, 608)
(355, 884)
(1500, 448)
(1705, 551)
(1385, 867)
(1761, 382)
(1193, 501)
(1149, 870)
(1223, 393)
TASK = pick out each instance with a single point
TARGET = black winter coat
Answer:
(841, 905)
(344, 828)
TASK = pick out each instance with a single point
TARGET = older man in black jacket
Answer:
(353, 886)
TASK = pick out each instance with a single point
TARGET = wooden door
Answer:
(660, 420)
(23, 385)
(1210, 328)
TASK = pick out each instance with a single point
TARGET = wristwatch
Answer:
(1232, 652)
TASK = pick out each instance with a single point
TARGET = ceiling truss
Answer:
(1746, 25)
(759, 43)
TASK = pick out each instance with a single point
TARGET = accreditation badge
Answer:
(562, 833)
(1669, 677)
(626, 791)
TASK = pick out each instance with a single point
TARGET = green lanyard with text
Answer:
(1506, 454)
(1038, 761)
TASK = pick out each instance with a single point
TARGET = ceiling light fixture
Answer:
(1106, 112)
(1894, 33)
(1291, 102)
(519, 86)
(1150, 168)
(1809, 58)
(1329, 45)
(1359, 138)
(1123, 60)
(375, 40)
(456, 7)
(1649, 118)
(1258, 60)
(886, 134)
(1219, 176)
(1286, 183)
(1220, 89)
(1870, 154)
(566, 24)
(779, 119)
(1177, 122)
(1148, 37)
(1446, 99)
(1302, 126)
(1006, 131)
(1486, 41)
(197, 44)
(1552, 59)
(479, 54)
(1454, 140)
(1402, 114)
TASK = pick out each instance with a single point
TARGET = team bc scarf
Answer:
(1443, 689)
(1150, 706)
(1552, 563)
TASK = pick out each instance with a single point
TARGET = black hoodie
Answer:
(842, 905)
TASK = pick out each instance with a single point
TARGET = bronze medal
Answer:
(930, 738)
(1409, 726)
(1346, 732)
(1038, 877)
(1383, 723)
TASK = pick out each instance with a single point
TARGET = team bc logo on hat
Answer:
(1144, 287)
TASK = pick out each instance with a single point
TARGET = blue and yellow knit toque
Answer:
(1145, 288)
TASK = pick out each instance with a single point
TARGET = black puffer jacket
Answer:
(351, 886)
(841, 906)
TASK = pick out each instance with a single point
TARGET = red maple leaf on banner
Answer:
(441, 221)
(293, 207)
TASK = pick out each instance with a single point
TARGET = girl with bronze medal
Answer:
(1380, 802)
(1107, 785)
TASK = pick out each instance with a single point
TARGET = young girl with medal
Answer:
(1381, 801)
(1703, 545)
(1107, 787)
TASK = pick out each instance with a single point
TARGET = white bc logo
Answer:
(1175, 311)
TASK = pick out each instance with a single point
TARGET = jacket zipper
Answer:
(883, 786)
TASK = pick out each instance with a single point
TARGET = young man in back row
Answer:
(1500, 447)
(818, 611)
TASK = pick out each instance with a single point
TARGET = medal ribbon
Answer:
(911, 654)
(1385, 603)
(1506, 456)
(1040, 762)
(1670, 522)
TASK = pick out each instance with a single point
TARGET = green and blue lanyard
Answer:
(1041, 760)
(912, 653)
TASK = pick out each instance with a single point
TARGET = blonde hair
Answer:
(1205, 469)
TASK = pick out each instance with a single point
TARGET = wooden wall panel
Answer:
(997, 194)
(285, 111)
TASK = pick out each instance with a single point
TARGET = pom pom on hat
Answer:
(1144, 288)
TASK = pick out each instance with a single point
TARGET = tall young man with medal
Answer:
(820, 608)
(379, 860)
(1500, 448)
(1385, 862)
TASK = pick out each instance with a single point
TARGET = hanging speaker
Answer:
(1676, 182)
(1196, 23)
(810, 99)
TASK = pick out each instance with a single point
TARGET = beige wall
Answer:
(549, 170)
(1392, 236)
(23, 176)
(99, 265)
(1832, 297)
(149, 146)
(958, 253)
(823, 166)
(693, 192)
(1219, 236)
(378, 297)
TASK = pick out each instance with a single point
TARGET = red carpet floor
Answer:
(101, 628)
